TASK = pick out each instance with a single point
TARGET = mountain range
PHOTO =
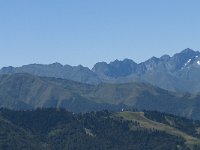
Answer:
(179, 73)
(26, 91)
(165, 84)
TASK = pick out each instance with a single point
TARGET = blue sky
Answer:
(87, 31)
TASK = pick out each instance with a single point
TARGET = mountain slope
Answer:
(59, 129)
(149, 121)
(14, 137)
(25, 91)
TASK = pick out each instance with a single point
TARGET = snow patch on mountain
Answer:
(187, 62)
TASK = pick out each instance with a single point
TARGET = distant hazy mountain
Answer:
(181, 72)
(25, 91)
(77, 73)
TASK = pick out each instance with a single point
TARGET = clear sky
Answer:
(87, 31)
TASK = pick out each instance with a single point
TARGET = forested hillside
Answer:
(52, 129)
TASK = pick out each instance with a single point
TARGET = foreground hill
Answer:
(25, 91)
(52, 129)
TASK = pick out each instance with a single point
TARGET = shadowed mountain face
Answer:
(25, 91)
(180, 72)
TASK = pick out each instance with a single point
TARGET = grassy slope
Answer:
(149, 124)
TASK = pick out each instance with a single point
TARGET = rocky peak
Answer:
(165, 58)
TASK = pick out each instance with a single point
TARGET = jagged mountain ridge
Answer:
(179, 61)
(177, 73)
(180, 72)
